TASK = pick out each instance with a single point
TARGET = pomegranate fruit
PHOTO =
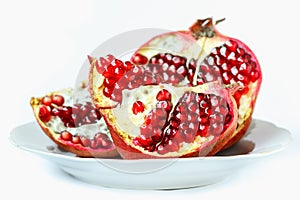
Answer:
(72, 122)
(211, 56)
(153, 111)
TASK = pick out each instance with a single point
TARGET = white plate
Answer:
(262, 139)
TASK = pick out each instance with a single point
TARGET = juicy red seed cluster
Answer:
(112, 74)
(195, 114)
(155, 122)
(100, 140)
(102, 62)
(162, 68)
(171, 68)
(47, 105)
(229, 63)
(75, 116)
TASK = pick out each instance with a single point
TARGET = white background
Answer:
(44, 43)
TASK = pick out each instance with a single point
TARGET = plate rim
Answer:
(264, 153)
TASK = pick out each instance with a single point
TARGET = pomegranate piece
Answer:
(161, 114)
(212, 56)
(73, 127)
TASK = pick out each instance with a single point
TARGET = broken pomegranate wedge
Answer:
(152, 111)
(70, 119)
(211, 56)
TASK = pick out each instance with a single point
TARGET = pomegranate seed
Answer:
(162, 150)
(161, 113)
(172, 146)
(105, 143)
(216, 129)
(66, 135)
(148, 118)
(58, 100)
(76, 140)
(254, 76)
(192, 106)
(165, 105)
(116, 96)
(204, 69)
(119, 71)
(184, 126)
(117, 63)
(136, 70)
(94, 144)
(108, 82)
(159, 120)
(85, 141)
(46, 101)
(189, 137)
(231, 45)
(128, 66)
(203, 104)
(182, 70)
(223, 110)
(174, 123)
(204, 119)
(202, 131)
(164, 95)
(107, 91)
(143, 141)
(104, 62)
(227, 119)
(44, 114)
(208, 111)
(55, 112)
(138, 107)
(193, 118)
(139, 59)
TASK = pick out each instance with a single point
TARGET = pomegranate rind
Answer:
(68, 146)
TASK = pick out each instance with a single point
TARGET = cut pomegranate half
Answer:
(153, 112)
(212, 56)
(70, 119)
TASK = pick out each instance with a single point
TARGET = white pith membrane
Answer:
(128, 124)
(71, 97)
(245, 103)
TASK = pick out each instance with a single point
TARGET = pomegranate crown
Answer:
(204, 28)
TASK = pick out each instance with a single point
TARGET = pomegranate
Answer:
(212, 56)
(153, 111)
(72, 122)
